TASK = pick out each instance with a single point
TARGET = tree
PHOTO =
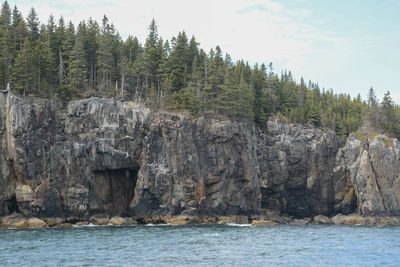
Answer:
(372, 114)
(77, 65)
(32, 22)
(92, 50)
(18, 32)
(105, 56)
(387, 115)
(22, 72)
(178, 61)
(257, 83)
(6, 45)
(45, 63)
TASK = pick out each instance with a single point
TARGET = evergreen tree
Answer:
(105, 57)
(387, 115)
(6, 44)
(178, 61)
(258, 82)
(373, 108)
(174, 75)
(77, 65)
(18, 32)
(32, 21)
(22, 72)
(151, 61)
(92, 50)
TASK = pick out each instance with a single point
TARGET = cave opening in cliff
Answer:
(9, 206)
(270, 200)
(111, 191)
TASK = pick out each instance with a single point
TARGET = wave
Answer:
(161, 224)
(86, 225)
(238, 225)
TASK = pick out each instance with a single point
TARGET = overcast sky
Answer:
(347, 45)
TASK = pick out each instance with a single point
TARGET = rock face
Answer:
(109, 158)
(368, 176)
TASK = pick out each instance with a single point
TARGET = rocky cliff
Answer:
(102, 156)
(367, 176)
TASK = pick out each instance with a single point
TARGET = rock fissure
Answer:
(377, 183)
(98, 157)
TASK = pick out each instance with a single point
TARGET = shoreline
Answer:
(17, 221)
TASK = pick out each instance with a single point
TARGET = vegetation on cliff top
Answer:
(68, 61)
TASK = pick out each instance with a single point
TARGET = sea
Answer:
(202, 245)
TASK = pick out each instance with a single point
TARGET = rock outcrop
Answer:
(368, 176)
(98, 157)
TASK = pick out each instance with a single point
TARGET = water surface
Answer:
(202, 245)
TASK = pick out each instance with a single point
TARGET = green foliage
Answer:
(176, 75)
(67, 92)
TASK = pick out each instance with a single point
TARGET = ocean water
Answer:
(202, 245)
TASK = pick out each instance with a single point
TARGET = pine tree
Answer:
(46, 67)
(52, 44)
(32, 21)
(178, 61)
(105, 57)
(91, 49)
(152, 60)
(18, 32)
(387, 116)
(22, 72)
(6, 45)
(193, 51)
(77, 66)
(372, 114)
(257, 83)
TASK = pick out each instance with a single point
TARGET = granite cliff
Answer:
(107, 157)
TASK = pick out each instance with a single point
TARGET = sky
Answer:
(346, 45)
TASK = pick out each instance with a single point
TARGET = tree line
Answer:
(59, 59)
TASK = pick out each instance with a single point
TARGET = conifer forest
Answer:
(60, 60)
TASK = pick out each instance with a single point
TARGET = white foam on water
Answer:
(213, 234)
(152, 225)
(238, 225)
(90, 225)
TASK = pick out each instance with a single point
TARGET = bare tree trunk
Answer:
(38, 85)
(122, 86)
(141, 90)
(158, 90)
(198, 97)
(137, 88)
(161, 97)
(60, 67)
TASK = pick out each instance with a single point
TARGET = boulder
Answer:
(353, 219)
(117, 221)
(264, 223)
(63, 225)
(388, 221)
(81, 223)
(300, 222)
(233, 219)
(53, 221)
(15, 220)
(321, 219)
(177, 220)
(36, 223)
(130, 222)
(101, 219)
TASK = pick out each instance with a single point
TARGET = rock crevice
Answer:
(101, 156)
